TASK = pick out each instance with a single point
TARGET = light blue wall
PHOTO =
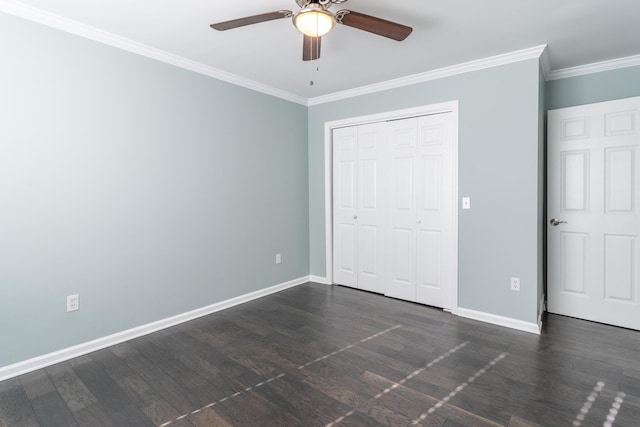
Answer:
(590, 88)
(499, 168)
(147, 189)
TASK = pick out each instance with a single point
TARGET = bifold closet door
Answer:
(421, 250)
(359, 206)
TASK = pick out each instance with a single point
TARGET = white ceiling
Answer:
(446, 33)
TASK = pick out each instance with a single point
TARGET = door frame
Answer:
(444, 107)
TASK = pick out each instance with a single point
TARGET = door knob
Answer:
(555, 222)
(419, 221)
(355, 217)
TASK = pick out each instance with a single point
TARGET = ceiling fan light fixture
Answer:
(314, 21)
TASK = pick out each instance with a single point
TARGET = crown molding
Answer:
(480, 64)
(545, 64)
(596, 67)
(16, 8)
(40, 16)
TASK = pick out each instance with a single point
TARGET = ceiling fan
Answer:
(314, 20)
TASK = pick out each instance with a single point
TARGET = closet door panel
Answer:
(434, 212)
(429, 254)
(345, 245)
(345, 172)
(401, 255)
(402, 282)
(371, 203)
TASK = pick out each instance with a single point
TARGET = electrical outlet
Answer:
(73, 302)
(278, 259)
(515, 284)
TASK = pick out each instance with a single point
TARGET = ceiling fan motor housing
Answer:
(314, 20)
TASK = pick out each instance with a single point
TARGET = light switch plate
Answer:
(466, 203)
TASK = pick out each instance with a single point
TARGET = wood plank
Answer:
(15, 409)
(250, 409)
(302, 401)
(112, 364)
(166, 386)
(36, 384)
(209, 417)
(154, 406)
(112, 398)
(51, 411)
(93, 416)
(71, 388)
(521, 422)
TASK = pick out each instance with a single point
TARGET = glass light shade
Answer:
(314, 21)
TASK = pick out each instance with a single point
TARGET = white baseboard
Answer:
(319, 279)
(494, 319)
(45, 360)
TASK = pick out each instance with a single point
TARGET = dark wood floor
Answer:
(316, 355)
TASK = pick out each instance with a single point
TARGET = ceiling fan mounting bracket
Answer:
(325, 4)
(340, 15)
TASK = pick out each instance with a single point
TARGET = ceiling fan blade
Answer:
(374, 25)
(311, 48)
(248, 20)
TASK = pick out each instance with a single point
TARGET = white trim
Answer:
(545, 64)
(452, 107)
(456, 198)
(74, 27)
(480, 64)
(45, 360)
(319, 279)
(542, 307)
(596, 67)
(328, 200)
(494, 319)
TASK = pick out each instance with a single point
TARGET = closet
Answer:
(394, 201)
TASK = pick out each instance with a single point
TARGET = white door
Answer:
(345, 152)
(435, 204)
(593, 194)
(371, 205)
(422, 256)
(359, 206)
(403, 143)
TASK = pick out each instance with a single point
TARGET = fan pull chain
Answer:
(317, 69)
(316, 45)
(316, 65)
